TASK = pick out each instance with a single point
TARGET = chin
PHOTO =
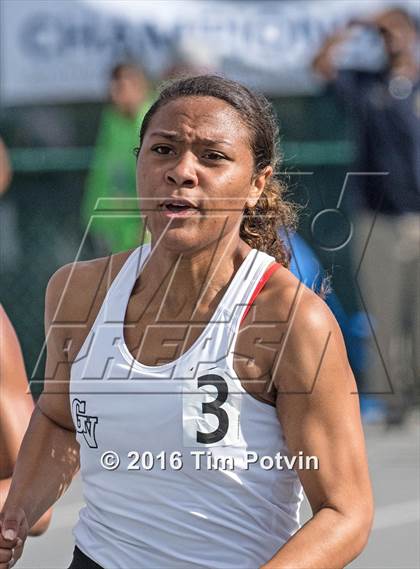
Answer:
(181, 240)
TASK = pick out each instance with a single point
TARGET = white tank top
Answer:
(184, 494)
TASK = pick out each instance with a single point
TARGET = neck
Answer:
(187, 282)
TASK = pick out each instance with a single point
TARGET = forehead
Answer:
(200, 117)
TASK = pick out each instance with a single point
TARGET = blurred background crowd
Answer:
(348, 102)
(77, 79)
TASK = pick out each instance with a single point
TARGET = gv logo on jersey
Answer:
(85, 424)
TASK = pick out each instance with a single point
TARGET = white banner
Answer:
(54, 51)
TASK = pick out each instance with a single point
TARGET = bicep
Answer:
(319, 412)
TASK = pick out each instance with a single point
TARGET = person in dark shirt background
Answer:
(385, 108)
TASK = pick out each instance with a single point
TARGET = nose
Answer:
(183, 172)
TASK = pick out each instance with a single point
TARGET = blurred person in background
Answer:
(112, 173)
(385, 106)
(16, 407)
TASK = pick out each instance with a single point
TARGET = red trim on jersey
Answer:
(273, 267)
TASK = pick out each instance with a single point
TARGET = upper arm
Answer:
(54, 400)
(16, 404)
(73, 298)
(318, 409)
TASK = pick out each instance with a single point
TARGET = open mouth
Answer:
(178, 208)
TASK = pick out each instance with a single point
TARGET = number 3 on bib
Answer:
(211, 411)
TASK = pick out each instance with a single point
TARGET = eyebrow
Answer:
(172, 135)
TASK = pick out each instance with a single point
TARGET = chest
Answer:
(154, 338)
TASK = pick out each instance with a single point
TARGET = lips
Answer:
(178, 207)
(178, 204)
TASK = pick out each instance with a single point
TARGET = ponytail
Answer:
(261, 224)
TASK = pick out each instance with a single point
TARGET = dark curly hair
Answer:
(261, 223)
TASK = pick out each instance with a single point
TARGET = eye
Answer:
(161, 149)
(214, 156)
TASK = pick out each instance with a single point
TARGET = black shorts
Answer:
(81, 561)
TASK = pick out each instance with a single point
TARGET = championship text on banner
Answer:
(62, 51)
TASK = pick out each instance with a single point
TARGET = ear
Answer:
(258, 183)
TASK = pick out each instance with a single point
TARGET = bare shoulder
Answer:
(306, 326)
(286, 297)
(75, 293)
(66, 285)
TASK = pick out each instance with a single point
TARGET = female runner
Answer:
(185, 372)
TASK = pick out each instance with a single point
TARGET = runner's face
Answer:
(196, 148)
